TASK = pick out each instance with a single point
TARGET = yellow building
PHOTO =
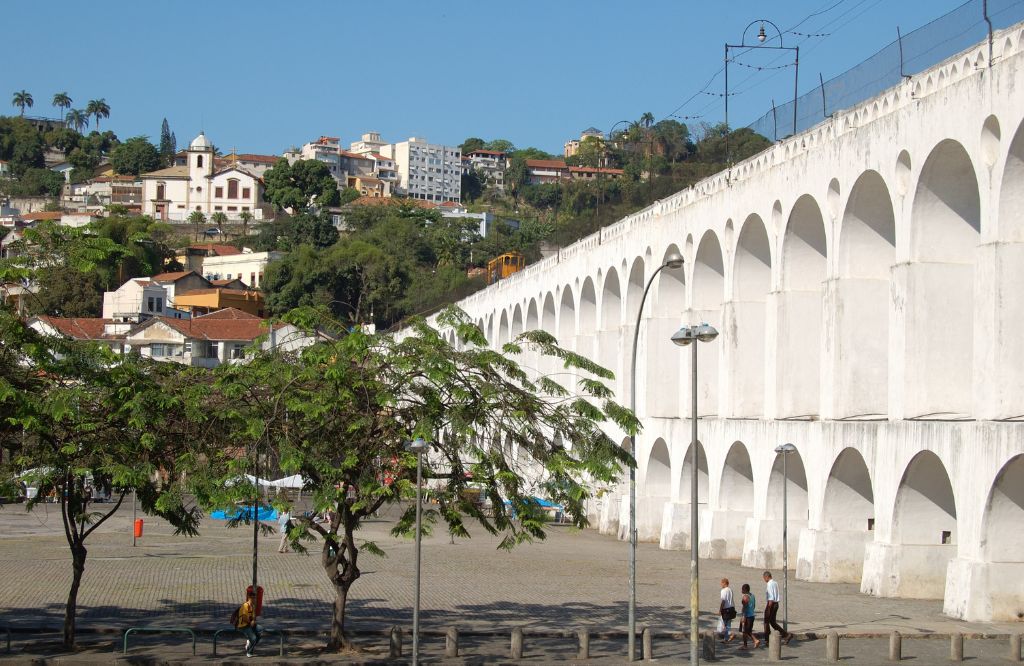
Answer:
(203, 301)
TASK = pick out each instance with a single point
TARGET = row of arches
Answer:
(809, 335)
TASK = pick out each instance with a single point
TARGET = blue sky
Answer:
(263, 75)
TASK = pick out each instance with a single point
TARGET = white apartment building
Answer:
(428, 171)
(491, 165)
(368, 143)
(247, 266)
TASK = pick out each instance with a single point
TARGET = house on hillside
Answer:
(91, 329)
(139, 299)
(180, 282)
(204, 341)
(205, 301)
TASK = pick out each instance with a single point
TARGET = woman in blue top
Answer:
(747, 623)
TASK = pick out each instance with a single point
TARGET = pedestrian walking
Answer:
(244, 620)
(771, 609)
(284, 523)
(727, 610)
(748, 605)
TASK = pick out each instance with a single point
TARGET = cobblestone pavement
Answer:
(572, 579)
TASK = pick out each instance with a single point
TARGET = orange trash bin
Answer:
(138, 528)
(259, 598)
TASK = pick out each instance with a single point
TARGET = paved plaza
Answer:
(572, 579)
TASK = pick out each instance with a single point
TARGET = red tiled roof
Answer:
(43, 215)
(80, 328)
(205, 328)
(355, 156)
(390, 201)
(172, 277)
(485, 152)
(226, 313)
(378, 156)
(596, 170)
(546, 164)
(262, 159)
(225, 282)
(216, 250)
(115, 178)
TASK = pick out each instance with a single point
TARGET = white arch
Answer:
(664, 362)
(1003, 541)
(707, 287)
(744, 339)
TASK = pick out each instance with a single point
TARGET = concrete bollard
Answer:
(395, 649)
(1015, 647)
(583, 635)
(648, 642)
(517, 643)
(775, 646)
(451, 642)
(895, 646)
(956, 647)
(707, 646)
(832, 647)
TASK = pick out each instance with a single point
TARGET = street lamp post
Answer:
(673, 261)
(417, 446)
(685, 336)
(784, 451)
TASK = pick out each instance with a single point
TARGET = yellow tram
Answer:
(504, 265)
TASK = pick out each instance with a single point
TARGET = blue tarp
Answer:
(542, 503)
(266, 514)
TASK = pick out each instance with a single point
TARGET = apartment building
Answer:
(490, 164)
(427, 171)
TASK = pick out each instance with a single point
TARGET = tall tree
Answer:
(197, 219)
(246, 218)
(22, 99)
(471, 144)
(62, 101)
(134, 156)
(166, 145)
(98, 108)
(302, 185)
(354, 404)
(78, 119)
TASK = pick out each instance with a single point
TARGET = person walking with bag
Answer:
(771, 609)
(727, 610)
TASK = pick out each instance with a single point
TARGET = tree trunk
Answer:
(338, 639)
(78, 553)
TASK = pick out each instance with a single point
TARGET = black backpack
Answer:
(234, 617)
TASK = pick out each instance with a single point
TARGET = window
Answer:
(233, 188)
(245, 208)
(260, 279)
(237, 350)
(229, 276)
(218, 192)
(252, 279)
(157, 350)
(160, 189)
(218, 207)
(232, 207)
(150, 304)
(159, 305)
(246, 192)
(199, 161)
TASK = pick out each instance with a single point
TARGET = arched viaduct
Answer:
(867, 278)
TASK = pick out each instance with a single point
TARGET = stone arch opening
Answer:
(503, 328)
(658, 479)
(586, 333)
(787, 472)
(924, 528)
(859, 301)
(799, 312)
(735, 505)
(610, 336)
(531, 316)
(547, 314)
(686, 475)
(517, 321)
(1003, 542)
(662, 358)
(745, 319)
(566, 319)
(634, 290)
(707, 291)
(944, 233)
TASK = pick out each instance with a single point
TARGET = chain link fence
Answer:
(910, 54)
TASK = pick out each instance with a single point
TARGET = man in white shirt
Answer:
(771, 609)
(727, 610)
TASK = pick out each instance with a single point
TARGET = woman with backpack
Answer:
(244, 619)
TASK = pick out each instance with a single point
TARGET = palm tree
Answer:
(98, 108)
(22, 99)
(246, 218)
(78, 119)
(220, 219)
(62, 101)
(647, 119)
(197, 219)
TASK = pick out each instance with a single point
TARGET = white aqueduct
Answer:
(867, 278)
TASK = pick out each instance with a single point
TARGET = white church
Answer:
(204, 183)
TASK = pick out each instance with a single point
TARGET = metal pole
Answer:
(631, 640)
(256, 521)
(785, 545)
(694, 527)
(135, 498)
(727, 160)
(824, 106)
(796, 85)
(416, 607)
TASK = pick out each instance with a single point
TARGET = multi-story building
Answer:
(491, 164)
(368, 143)
(247, 266)
(572, 146)
(546, 171)
(427, 171)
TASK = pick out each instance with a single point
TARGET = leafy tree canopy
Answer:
(134, 156)
(301, 185)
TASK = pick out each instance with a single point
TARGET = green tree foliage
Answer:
(472, 185)
(77, 119)
(471, 144)
(66, 292)
(167, 145)
(62, 102)
(301, 185)
(21, 144)
(502, 146)
(353, 404)
(63, 139)
(98, 108)
(287, 232)
(34, 182)
(22, 99)
(78, 417)
(134, 156)
(591, 152)
(197, 220)
(348, 195)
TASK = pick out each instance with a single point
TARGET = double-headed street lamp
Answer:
(784, 450)
(673, 261)
(417, 446)
(685, 336)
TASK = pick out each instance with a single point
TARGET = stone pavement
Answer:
(570, 580)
